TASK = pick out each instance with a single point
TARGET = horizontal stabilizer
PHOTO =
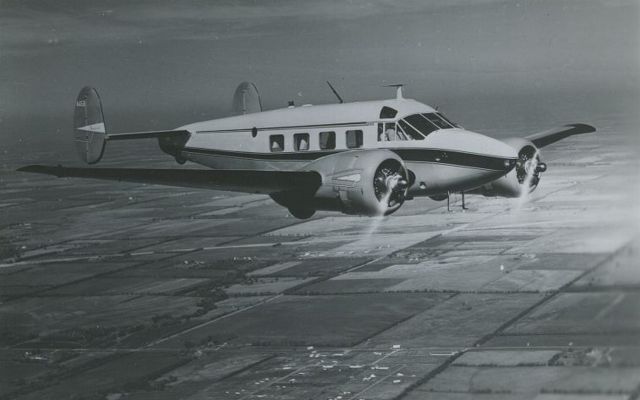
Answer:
(248, 181)
(553, 135)
(91, 135)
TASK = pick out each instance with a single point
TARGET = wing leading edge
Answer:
(248, 181)
(545, 138)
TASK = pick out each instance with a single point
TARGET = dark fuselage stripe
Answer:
(410, 155)
(278, 128)
(276, 156)
(453, 158)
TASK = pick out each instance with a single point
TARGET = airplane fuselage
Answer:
(441, 156)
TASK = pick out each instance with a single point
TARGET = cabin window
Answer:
(327, 140)
(276, 142)
(354, 138)
(301, 141)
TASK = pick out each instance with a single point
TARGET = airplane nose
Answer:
(495, 148)
(498, 153)
(502, 151)
(487, 152)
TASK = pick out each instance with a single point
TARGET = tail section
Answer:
(246, 99)
(88, 126)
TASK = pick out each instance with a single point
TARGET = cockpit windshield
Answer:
(437, 120)
(413, 127)
(447, 120)
(427, 123)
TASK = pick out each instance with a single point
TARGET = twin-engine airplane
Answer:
(362, 158)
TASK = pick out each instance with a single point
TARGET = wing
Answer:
(553, 135)
(248, 181)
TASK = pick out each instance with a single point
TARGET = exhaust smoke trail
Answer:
(530, 167)
(391, 184)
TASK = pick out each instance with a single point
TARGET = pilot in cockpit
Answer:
(390, 132)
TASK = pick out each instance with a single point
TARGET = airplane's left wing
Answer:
(248, 181)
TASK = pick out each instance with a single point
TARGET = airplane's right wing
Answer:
(545, 138)
(248, 181)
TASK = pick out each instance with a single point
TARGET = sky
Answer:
(161, 64)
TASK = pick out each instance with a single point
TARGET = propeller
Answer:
(529, 167)
(390, 185)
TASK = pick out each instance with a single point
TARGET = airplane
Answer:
(359, 158)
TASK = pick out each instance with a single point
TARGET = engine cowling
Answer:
(361, 182)
(524, 177)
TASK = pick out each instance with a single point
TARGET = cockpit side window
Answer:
(390, 132)
(387, 132)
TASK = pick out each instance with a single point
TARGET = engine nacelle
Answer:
(361, 182)
(525, 176)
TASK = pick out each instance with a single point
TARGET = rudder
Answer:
(88, 126)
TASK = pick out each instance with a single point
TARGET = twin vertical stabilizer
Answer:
(246, 99)
(88, 123)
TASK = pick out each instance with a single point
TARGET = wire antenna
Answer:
(335, 92)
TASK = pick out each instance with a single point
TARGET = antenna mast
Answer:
(335, 92)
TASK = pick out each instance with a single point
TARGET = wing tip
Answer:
(30, 168)
(583, 128)
(41, 169)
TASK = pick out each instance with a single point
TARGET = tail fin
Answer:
(246, 99)
(88, 126)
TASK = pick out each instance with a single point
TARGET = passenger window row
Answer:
(326, 141)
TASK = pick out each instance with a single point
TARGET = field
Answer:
(123, 291)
